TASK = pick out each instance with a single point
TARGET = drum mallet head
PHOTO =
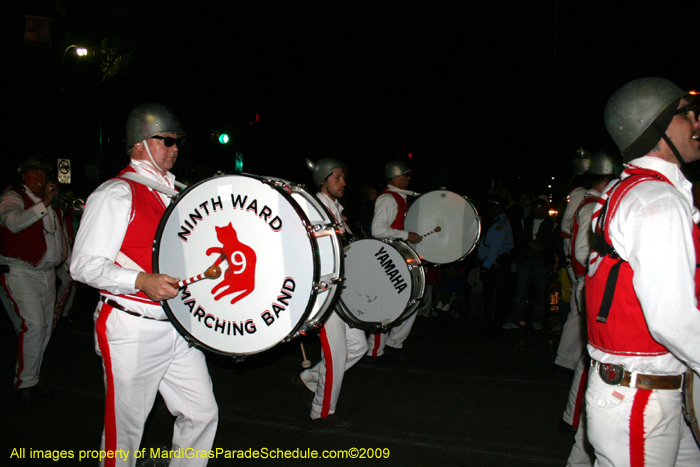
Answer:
(436, 229)
(306, 363)
(212, 272)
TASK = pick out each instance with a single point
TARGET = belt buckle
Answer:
(611, 374)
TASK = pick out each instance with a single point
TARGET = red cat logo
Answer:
(239, 277)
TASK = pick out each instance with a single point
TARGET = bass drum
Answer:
(383, 286)
(691, 393)
(273, 285)
(460, 226)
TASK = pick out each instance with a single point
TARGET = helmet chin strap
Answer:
(672, 146)
(150, 157)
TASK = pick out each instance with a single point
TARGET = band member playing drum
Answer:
(389, 213)
(142, 353)
(642, 283)
(341, 345)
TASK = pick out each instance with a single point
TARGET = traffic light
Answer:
(223, 138)
(239, 162)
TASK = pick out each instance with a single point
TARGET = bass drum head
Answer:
(268, 262)
(460, 226)
(329, 250)
(380, 285)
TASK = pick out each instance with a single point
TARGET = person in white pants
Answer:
(341, 345)
(643, 282)
(142, 352)
(388, 222)
(34, 242)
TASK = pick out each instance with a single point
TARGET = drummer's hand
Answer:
(158, 287)
(414, 237)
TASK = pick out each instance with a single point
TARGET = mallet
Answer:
(212, 272)
(436, 229)
(306, 363)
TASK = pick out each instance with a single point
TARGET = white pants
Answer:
(575, 415)
(29, 297)
(142, 357)
(637, 427)
(341, 347)
(395, 337)
(573, 340)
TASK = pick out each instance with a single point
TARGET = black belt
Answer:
(616, 375)
(116, 305)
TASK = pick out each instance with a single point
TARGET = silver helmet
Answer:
(148, 120)
(604, 163)
(395, 168)
(323, 168)
(639, 113)
(581, 162)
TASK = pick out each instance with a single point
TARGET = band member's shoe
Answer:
(566, 428)
(332, 421)
(305, 392)
(25, 397)
(400, 355)
(509, 325)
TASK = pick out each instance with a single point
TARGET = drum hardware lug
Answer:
(337, 280)
(237, 358)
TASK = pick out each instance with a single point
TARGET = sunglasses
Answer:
(169, 141)
(691, 108)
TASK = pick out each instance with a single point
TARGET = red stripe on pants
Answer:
(579, 396)
(641, 398)
(328, 385)
(110, 415)
(377, 343)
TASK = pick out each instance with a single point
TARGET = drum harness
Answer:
(617, 375)
(135, 177)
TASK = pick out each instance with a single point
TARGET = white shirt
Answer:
(336, 210)
(652, 230)
(16, 218)
(102, 230)
(582, 247)
(385, 211)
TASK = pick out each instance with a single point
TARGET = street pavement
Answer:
(462, 400)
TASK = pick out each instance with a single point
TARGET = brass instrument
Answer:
(66, 202)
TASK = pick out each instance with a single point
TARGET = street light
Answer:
(80, 51)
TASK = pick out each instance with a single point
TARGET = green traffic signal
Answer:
(223, 138)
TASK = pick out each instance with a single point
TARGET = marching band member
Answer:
(642, 283)
(388, 222)
(341, 345)
(142, 352)
(34, 242)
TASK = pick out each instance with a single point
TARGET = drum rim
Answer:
(191, 339)
(478, 230)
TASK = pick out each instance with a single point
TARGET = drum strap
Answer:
(138, 178)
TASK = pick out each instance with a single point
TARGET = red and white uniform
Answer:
(140, 356)
(34, 241)
(388, 222)
(341, 345)
(571, 344)
(653, 323)
(580, 249)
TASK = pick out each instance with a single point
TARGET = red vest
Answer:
(401, 215)
(616, 323)
(147, 208)
(30, 244)
(579, 269)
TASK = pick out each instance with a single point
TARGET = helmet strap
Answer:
(150, 157)
(672, 146)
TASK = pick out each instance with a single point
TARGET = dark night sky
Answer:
(492, 90)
